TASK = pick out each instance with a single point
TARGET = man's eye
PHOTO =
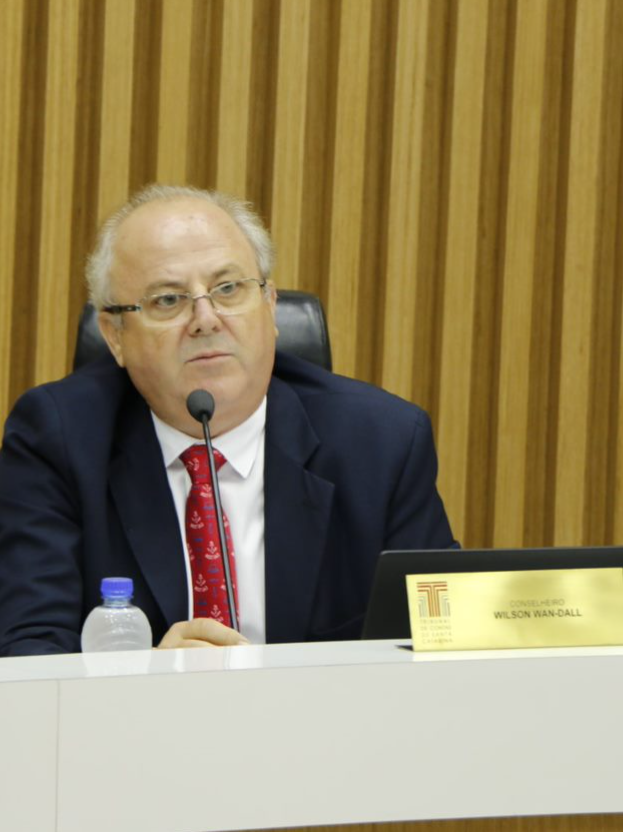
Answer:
(226, 289)
(169, 301)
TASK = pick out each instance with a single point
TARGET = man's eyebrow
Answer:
(231, 270)
(226, 271)
(158, 285)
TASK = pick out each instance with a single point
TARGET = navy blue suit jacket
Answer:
(349, 470)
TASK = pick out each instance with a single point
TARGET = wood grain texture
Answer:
(552, 823)
(518, 275)
(56, 188)
(560, 823)
(445, 174)
(580, 294)
(462, 244)
(347, 204)
(116, 106)
(234, 101)
(291, 113)
(11, 26)
(174, 104)
(407, 153)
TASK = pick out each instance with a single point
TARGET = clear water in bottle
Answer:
(116, 624)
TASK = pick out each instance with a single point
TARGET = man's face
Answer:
(190, 245)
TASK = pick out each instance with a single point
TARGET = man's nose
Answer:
(203, 315)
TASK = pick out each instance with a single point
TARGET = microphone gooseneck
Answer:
(201, 405)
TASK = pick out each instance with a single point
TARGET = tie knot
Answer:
(195, 460)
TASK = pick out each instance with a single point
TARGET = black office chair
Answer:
(299, 316)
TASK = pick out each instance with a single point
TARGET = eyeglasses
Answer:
(232, 298)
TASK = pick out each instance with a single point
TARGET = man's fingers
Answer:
(191, 642)
(201, 632)
(207, 629)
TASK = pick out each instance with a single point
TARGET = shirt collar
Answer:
(239, 446)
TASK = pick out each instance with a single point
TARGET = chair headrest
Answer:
(300, 320)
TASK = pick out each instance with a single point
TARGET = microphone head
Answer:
(200, 403)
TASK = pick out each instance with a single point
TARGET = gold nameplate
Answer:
(498, 610)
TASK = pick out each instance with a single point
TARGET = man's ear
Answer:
(272, 293)
(272, 298)
(112, 336)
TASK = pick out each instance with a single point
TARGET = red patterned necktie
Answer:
(202, 539)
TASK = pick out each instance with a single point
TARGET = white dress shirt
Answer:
(241, 482)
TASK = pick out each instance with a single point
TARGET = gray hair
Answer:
(100, 261)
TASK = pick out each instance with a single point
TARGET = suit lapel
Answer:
(297, 511)
(142, 495)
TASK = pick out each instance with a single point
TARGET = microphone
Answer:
(201, 405)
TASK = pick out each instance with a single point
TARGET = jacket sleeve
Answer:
(40, 533)
(417, 518)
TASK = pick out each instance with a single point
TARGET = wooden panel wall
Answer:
(446, 174)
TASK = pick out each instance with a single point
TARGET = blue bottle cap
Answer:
(117, 588)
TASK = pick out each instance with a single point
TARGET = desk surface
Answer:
(267, 657)
(306, 735)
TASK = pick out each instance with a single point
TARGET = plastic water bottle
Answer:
(116, 624)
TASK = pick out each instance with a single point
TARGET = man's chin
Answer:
(222, 394)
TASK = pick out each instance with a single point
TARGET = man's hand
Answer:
(200, 632)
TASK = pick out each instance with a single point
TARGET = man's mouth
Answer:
(208, 356)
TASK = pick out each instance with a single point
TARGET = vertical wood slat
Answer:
(87, 146)
(116, 121)
(605, 366)
(405, 186)
(262, 101)
(290, 127)
(437, 90)
(147, 54)
(205, 82)
(614, 534)
(349, 172)
(614, 531)
(318, 153)
(518, 281)
(174, 104)
(547, 278)
(579, 289)
(461, 257)
(485, 358)
(380, 139)
(234, 104)
(11, 23)
(375, 197)
(28, 207)
(57, 186)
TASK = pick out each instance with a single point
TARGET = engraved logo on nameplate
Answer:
(433, 599)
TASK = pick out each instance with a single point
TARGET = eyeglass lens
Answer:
(232, 298)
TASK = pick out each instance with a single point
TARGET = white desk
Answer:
(300, 735)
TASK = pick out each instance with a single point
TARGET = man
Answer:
(321, 472)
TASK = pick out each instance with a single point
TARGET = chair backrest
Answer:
(299, 316)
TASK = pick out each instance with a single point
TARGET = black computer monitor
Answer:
(388, 612)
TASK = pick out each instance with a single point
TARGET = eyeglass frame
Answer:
(118, 308)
